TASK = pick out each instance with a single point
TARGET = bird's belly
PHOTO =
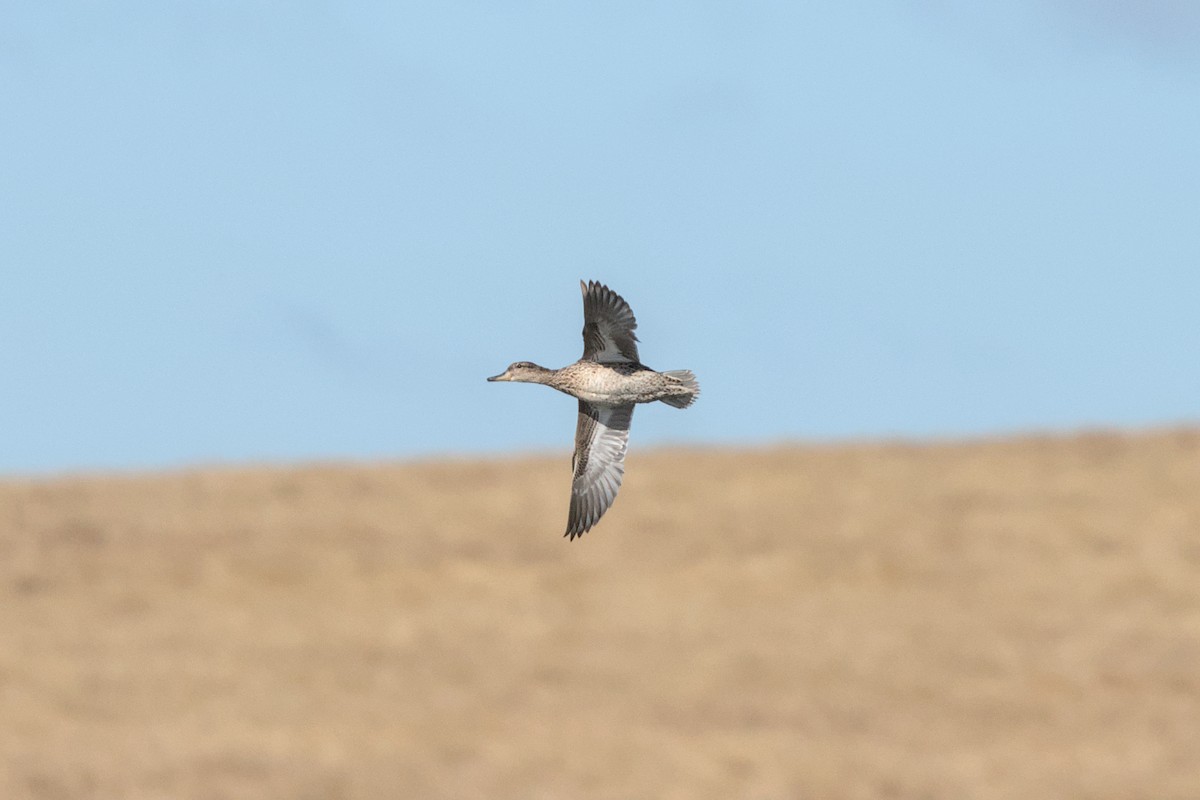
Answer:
(617, 392)
(604, 398)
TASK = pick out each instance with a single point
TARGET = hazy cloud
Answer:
(1158, 31)
(1163, 27)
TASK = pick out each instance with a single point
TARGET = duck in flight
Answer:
(608, 381)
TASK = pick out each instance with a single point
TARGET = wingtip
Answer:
(577, 527)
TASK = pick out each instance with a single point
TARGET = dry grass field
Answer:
(1005, 619)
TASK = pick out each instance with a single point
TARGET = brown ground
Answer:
(1011, 619)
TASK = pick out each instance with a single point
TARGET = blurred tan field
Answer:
(1005, 619)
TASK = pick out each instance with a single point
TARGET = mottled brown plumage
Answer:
(608, 381)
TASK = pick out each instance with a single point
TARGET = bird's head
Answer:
(522, 372)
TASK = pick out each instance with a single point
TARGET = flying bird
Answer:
(608, 381)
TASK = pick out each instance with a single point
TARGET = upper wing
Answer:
(599, 463)
(608, 325)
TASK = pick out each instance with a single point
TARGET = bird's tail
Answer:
(688, 388)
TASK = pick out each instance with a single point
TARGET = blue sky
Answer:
(280, 231)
